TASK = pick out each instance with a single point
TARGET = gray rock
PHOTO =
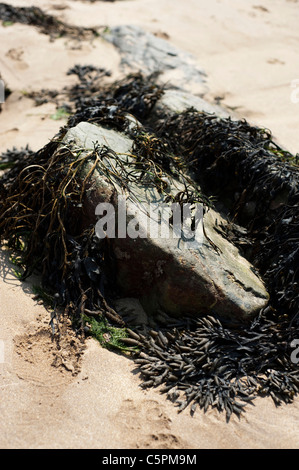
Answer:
(86, 136)
(167, 274)
(177, 101)
(143, 51)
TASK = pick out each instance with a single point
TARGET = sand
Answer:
(48, 398)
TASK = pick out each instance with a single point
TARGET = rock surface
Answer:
(143, 51)
(167, 274)
(177, 101)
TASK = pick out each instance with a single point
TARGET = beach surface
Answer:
(84, 396)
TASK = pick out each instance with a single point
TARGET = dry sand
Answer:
(48, 399)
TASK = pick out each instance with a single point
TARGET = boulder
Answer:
(143, 51)
(174, 275)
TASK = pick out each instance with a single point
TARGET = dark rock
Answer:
(169, 274)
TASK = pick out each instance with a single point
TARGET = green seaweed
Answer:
(109, 336)
(7, 23)
(61, 113)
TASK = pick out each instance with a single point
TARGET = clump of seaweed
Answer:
(242, 166)
(43, 96)
(208, 364)
(93, 100)
(46, 23)
(40, 197)
(202, 362)
(108, 104)
(14, 156)
(90, 81)
(76, 96)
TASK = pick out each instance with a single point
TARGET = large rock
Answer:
(169, 274)
(143, 51)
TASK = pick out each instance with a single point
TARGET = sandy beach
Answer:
(48, 397)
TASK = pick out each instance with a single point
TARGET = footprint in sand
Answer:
(16, 54)
(150, 422)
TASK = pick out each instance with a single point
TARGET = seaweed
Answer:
(47, 24)
(92, 100)
(40, 197)
(109, 103)
(209, 364)
(240, 167)
(244, 168)
(14, 156)
(109, 336)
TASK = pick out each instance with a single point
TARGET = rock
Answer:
(132, 310)
(87, 135)
(173, 275)
(143, 51)
(177, 101)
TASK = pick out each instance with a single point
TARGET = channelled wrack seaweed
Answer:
(198, 362)
(107, 104)
(41, 198)
(258, 181)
